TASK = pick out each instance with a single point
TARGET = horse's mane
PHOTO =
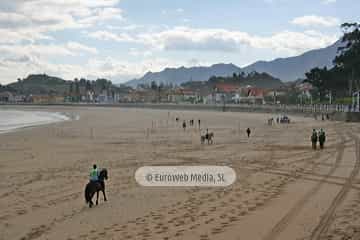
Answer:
(103, 173)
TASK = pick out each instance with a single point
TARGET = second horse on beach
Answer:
(207, 137)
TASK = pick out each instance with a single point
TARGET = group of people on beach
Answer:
(320, 137)
(191, 123)
(208, 136)
(279, 119)
(323, 116)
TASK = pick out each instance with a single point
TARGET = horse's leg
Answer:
(103, 190)
(97, 197)
(91, 202)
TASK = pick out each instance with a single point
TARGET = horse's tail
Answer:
(87, 193)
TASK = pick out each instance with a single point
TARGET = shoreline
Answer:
(27, 119)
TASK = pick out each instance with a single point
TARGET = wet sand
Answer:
(284, 189)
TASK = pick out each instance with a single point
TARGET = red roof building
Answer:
(227, 88)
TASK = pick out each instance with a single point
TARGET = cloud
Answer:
(109, 36)
(102, 15)
(328, 1)
(183, 39)
(24, 25)
(316, 21)
(136, 52)
(8, 36)
(37, 18)
(42, 51)
(193, 39)
(75, 46)
(110, 68)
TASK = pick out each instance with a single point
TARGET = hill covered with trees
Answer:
(49, 85)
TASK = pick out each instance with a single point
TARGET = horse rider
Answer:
(322, 138)
(314, 138)
(94, 174)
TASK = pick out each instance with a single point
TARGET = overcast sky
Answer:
(123, 39)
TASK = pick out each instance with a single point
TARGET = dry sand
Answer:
(284, 189)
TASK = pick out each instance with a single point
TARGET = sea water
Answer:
(14, 119)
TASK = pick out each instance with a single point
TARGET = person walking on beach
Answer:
(248, 132)
(94, 174)
(199, 123)
(314, 139)
(322, 138)
(184, 125)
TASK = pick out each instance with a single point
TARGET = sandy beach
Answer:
(283, 190)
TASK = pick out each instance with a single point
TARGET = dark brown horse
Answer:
(95, 187)
(209, 137)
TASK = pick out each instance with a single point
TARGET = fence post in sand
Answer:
(147, 133)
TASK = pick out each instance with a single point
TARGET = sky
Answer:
(123, 39)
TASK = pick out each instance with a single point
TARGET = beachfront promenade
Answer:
(334, 111)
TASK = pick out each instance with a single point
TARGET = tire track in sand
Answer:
(294, 211)
(327, 218)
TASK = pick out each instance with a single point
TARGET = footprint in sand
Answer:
(178, 234)
(233, 219)
(194, 226)
(204, 237)
(212, 209)
(216, 230)
(209, 221)
(223, 215)
(242, 213)
(21, 212)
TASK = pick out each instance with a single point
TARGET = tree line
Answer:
(343, 79)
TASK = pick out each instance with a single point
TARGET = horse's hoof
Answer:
(105, 199)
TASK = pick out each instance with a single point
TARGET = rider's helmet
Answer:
(94, 166)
